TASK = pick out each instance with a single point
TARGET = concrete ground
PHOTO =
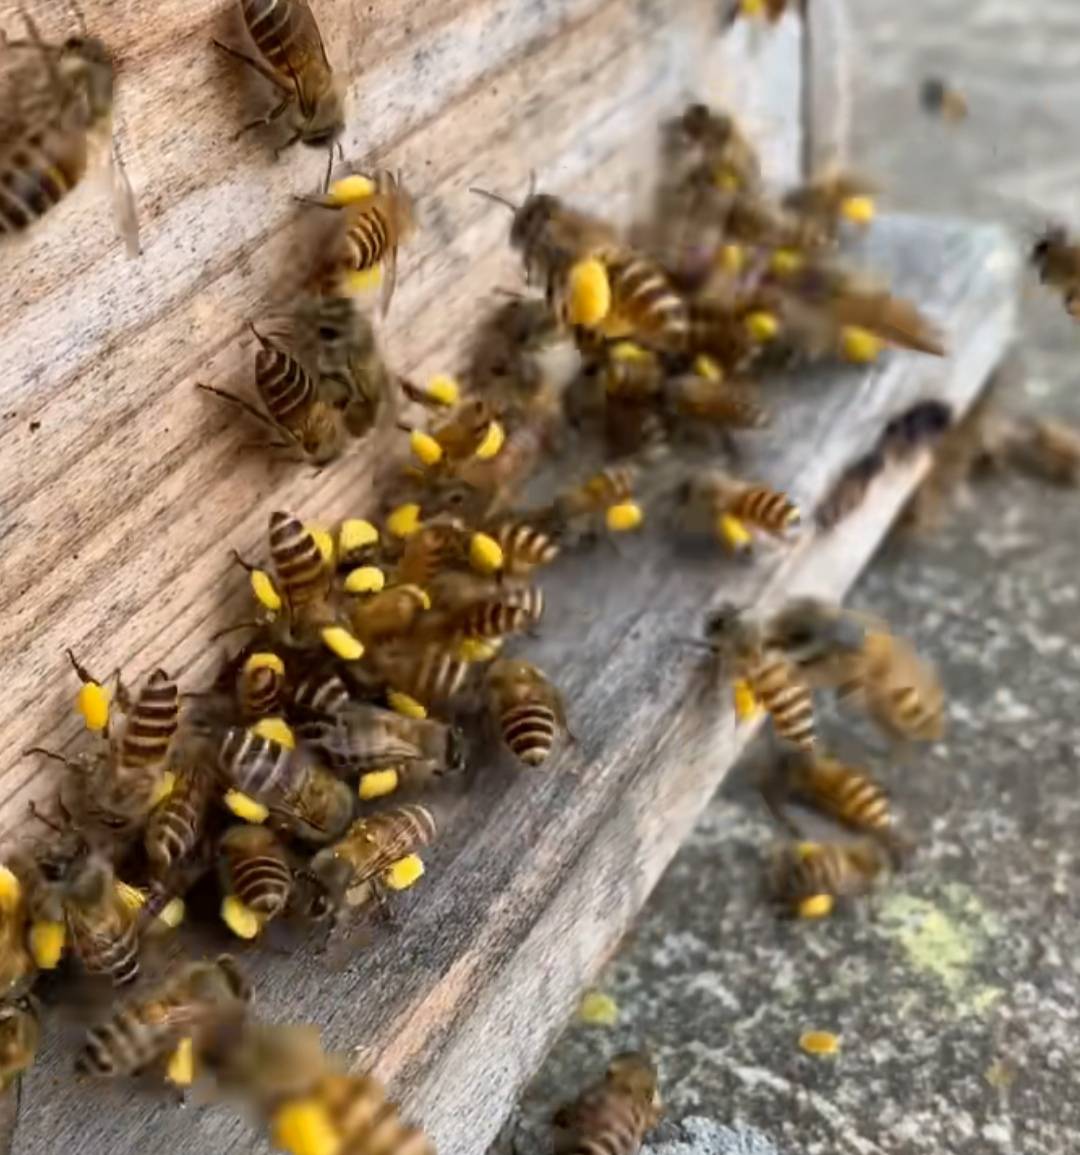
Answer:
(955, 993)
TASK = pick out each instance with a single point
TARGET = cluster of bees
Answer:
(375, 646)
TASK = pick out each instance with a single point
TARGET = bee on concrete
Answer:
(614, 1115)
(809, 876)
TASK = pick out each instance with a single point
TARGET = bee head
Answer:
(532, 219)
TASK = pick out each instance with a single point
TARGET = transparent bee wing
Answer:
(125, 214)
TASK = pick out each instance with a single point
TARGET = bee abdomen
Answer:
(525, 547)
(863, 804)
(789, 702)
(284, 385)
(262, 883)
(642, 292)
(261, 692)
(368, 239)
(298, 562)
(407, 828)
(255, 765)
(117, 957)
(269, 24)
(34, 181)
(327, 695)
(152, 722)
(122, 1046)
(766, 508)
(529, 731)
(174, 826)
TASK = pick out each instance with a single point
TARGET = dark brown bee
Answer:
(805, 871)
(527, 709)
(258, 766)
(730, 160)
(101, 927)
(772, 678)
(917, 427)
(59, 104)
(260, 686)
(322, 694)
(176, 824)
(151, 723)
(20, 1033)
(255, 868)
(850, 490)
(292, 58)
(190, 1001)
(939, 98)
(299, 565)
(613, 1116)
(1056, 258)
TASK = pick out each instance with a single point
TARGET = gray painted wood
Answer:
(538, 875)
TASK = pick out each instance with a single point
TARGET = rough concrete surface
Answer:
(955, 992)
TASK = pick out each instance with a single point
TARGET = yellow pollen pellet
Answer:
(784, 262)
(131, 896)
(706, 367)
(733, 533)
(624, 517)
(405, 520)
(443, 390)
(628, 351)
(819, 1042)
(324, 540)
(181, 1068)
(47, 940)
(588, 293)
(356, 534)
(725, 180)
(806, 849)
(422, 595)
(10, 888)
(241, 920)
(172, 913)
(762, 326)
(262, 586)
(246, 807)
(304, 1127)
(731, 259)
(405, 704)
(478, 649)
(859, 345)
(598, 1009)
(816, 906)
(356, 282)
(92, 702)
(752, 7)
(426, 449)
(350, 189)
(166, 785)
(485, 553)
(338, 640)
(491, 443)
(377, 784)
(404, 873)
(264, 661)
(365, 579)
(275, 730)
(859, 210)
(746, 704)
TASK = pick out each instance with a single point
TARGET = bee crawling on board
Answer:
(527, 708)
(57, 102)
(292, 57)
(613, 1115)
(728, 508)
(1055, 256)
(807, 878)
(20, 1033)
(831, 198)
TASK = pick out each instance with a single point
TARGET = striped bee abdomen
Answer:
(175, 824)
(38, 173)
(368, 238)
(298, 562)
(255, 765)
(269, 23)
(529, 731)
(766, 508)
(152, 722)
(643, 295)
(524, 547)
(256, 869)
(789, 702)
(322, 695)
(284, 386)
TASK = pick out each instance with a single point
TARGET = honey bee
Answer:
(266, 1064)
(101, 926)
(296, 411)
(374, 227)
(187, 1004)
(20, 1033)
(317, 809)
(16, 963)
(261, 685)
(612, 1116)
(865, 664)
(430, 672)
(371, 846)
(438, 545)
(823, 202)
(467, 606)
(291, 56)
(807, 870)
(322, 695)
(730, 161)
(360, 738)
(461, 434)
(58, 106)
(255, 868)
(527, 708)
(613, 485)
(525, 547)
(939, 98)
(175, 826)
(366, 1120)
(391, 613)
(1057, 261)
(717, 496)
(773, 679)
(720, 402)
(303, 574)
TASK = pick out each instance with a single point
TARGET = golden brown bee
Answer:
(292, 58)
(939, 98)
(525, 547)
(807, 870)
(370, 847)
(297, 411)
(266, 1064)
(1056, 258)
(720, 402)
(527, 709)
(32, 898)
(175, 826)
(716, 497)
(368, 1123)
(102, 928)
(613, 1116)
(255, 867)
(824, 201)
(438, 545)
(613, 485)
(773, 679)
(20, 1033)
(730, 160)
(317, 808)
(431, 672)
(260, 686)
(187, 1004)
(645, 305)
(390, 613)
(58, 101)
(866, 664)
(468, 606)
(462, 433)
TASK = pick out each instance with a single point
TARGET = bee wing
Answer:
(125, 214)
(300, 45)
(389, 281)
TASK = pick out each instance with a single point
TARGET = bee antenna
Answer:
(257, 335)
(499, 200)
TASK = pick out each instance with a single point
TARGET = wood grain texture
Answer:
(828, 90)
(121, 486)
(537, 875)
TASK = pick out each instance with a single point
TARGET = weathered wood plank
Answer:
(537, 875)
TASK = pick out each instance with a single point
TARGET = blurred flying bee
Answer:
(822, 203)
(527, 709)
(16, 963)
(726, 505)
(864, 663)
(1056, 258)
(102, 927)
(772, 679)
(349, 871)
(614, 1114)
(294, 408)
(365, 1119)
(612, 486)
(808, 876)
(360, 738)
(718, 401)
(20, 1033)
(190, 1003)
(266, 1064)
(374, 226)
(255, 868)
(57, 102)
(939, 98)
(730, 160)
(850, 490)
(291, 56)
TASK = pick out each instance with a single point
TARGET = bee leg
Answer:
(384, 910)
(44, 819)
(263, 70)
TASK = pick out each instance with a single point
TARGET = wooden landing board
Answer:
(121, 486)
(539, 874)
